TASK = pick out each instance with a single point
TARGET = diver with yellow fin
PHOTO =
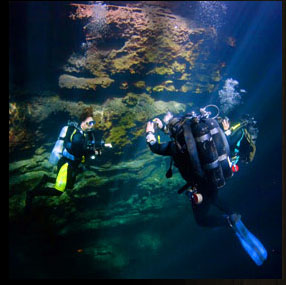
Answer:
(206, 159)
(75, 143)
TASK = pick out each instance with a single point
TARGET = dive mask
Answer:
(90, 123)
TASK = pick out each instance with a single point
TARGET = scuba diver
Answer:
(75, 143)
(241, 138)
(201, 151)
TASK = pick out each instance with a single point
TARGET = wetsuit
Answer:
(209, 192)
(75, 150)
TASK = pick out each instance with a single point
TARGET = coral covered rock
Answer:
(68, 81)
(142, 39)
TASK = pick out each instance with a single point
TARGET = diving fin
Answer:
(250, 243)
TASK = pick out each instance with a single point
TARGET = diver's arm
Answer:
(161, 148)
(155, 147)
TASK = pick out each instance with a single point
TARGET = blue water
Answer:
(38, 48)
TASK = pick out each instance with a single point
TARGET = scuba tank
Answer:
(178, 127)
(58, 148)
(206, 144)
(208, 153)
(221, 146)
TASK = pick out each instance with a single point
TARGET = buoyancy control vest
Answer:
(59, 148)
(206, 146)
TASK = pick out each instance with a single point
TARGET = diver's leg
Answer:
(221, 204)
(229, 214)
(39, 192)
(39, 189)
(47, 191)
(202, 216)
(33, 192)
(71, 176)
(206, 220)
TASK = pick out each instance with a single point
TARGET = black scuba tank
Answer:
(180, 130)
(208, 152)
(193, 151)
(222, 146)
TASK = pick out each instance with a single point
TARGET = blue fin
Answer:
(250, 243)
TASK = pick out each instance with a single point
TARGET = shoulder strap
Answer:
(176, 131)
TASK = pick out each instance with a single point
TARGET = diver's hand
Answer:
(108, 145)
(158, 122)
(150, 127)
(225, 124)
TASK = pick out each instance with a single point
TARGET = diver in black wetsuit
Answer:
(200, 150)
(202, 184)
(76, 143)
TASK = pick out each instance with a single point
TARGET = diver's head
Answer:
(168, 117)
(166, 120)
(87, 124)
(86, 118)
(172, 126)
(251, 127)
(253, 131)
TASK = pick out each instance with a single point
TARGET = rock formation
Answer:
(148, 42)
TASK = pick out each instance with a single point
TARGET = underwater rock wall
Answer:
(146, 42)
(122, 120)
(138, 56)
